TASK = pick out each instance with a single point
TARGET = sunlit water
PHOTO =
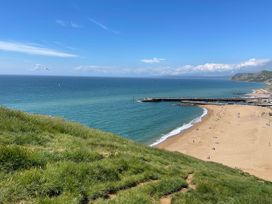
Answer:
(110, 103)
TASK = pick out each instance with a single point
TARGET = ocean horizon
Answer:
(110, 104)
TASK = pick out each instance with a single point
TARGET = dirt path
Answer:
(189, 180)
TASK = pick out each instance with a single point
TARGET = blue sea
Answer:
(110, 104)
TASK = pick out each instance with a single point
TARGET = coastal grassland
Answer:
(48, 160)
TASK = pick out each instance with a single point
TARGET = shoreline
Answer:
(261, 92)
(233, 135)
(181, 129)
(202, 118)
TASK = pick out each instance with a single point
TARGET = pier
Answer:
(214, 101)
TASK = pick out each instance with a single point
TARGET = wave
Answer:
(178, 130)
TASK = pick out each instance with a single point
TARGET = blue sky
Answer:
(135, 37)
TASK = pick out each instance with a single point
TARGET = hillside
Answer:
(263, 76)
(48, 160)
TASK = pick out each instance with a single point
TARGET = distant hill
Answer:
(47, 160)
(263, 76)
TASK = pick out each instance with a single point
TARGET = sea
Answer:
(111, 104)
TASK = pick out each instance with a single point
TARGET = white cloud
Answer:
(210, 67)
(214, 67)
(206, 68)
(253, 63)
(32, 49)
(40, 67)
(102, 26)
(120, 71)
(218, 67)
(92, 68)
(68, 24)
(153, 60)
(112, 70)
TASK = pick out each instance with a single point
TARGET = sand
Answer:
(234, 135)
(260, 93)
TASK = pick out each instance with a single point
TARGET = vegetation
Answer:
(263, 76)
(47, 160)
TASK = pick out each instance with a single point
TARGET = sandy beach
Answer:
(234, 135)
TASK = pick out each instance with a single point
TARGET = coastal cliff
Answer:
(48, 160)
(263, 76)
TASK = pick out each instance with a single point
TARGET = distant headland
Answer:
(263, 76)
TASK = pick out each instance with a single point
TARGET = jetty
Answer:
(214, 101)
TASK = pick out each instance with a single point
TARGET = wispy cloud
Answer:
(112, 70)
(40, 67)
(32, 49)
(207, 68)
(103, 26)
(93, 68)
(61, 23)
(121, 71)
(153, 60)
(74, 25)
(68, 24)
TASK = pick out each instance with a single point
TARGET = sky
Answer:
(140, 38)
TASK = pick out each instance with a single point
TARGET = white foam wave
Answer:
(178, 130)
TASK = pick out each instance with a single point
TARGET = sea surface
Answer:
(110, 104)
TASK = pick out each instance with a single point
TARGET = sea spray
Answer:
(178, 130)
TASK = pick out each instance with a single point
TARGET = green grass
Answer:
(47, 160)
(263, 76)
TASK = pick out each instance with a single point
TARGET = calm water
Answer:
(108, 103)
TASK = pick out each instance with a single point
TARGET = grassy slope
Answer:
(46, 160)
(263, 76)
